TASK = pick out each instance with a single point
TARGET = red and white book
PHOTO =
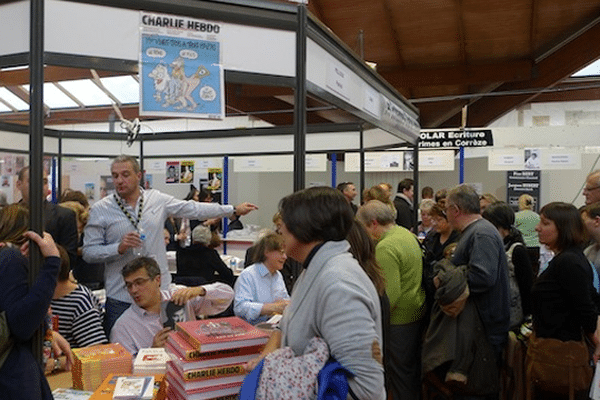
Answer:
(230, 393)
(173, 377)
(221, 333)
(186, 365)
(219, 371)
(178, 346)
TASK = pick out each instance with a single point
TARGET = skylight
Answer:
(87, 92)
(125, 88)
(13, 99)
(54, 97)
(591, 70)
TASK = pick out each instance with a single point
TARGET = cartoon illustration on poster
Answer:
(172, 172)
(9, 165)
(215, 176)
(89, 191)
(148, 181)
(180, 71)
(187, 172)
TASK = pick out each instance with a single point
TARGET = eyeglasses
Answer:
(589, 189)
(139, 282)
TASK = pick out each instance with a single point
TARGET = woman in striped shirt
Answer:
(78, 310)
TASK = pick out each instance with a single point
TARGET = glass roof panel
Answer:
(13, 100)
(3, 108)
(124, 88)
(54, 97)
(591, 70)
(87, 92)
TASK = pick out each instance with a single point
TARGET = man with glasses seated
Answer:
(143, 324)
(591, 190)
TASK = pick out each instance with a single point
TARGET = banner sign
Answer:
(522, 182)
(180, 67)
(456, 138)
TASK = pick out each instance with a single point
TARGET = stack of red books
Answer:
(208, 357)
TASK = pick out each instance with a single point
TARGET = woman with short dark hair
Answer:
(333, 298)
(563, 296)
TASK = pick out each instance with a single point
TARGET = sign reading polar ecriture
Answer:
(456, 138)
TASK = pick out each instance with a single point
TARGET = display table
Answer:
(62, 379)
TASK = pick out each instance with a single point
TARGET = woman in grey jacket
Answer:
(333, 298)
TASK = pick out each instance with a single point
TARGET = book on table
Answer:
(188, 391)
(93, 364)
(134, 388)
(186, 357)
(204, 378)
(107, 389)
(71, 394)
(221, 333)
(151, 361)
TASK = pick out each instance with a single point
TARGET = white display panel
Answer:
(555, 158)
(396, 161)
(283, 163)
(333, 76)
(107, 32)
(14, 28)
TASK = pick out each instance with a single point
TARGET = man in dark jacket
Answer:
(404, 203)
(60, 222)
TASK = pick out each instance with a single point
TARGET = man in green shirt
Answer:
(400, 257)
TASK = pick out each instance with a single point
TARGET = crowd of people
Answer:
(403, 303)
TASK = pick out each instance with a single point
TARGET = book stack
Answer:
(208, 357)
(93, 364)
(151, 361)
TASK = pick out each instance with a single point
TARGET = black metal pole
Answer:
(142, 161)
(36, 145)
(300, 102)
(417, 194)
(362, 162)
(59, 167)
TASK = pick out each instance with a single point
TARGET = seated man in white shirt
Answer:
(140, 325)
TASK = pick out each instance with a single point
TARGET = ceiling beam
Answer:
(388, 17)
(551, 70)
(513, 71)
(51, 74)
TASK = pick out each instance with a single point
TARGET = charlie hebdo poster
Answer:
(180, 67)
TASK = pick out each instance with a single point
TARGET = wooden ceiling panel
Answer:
(427, 49)
(560, 19)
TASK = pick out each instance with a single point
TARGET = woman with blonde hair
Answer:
(378, 193)
(525, 221)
